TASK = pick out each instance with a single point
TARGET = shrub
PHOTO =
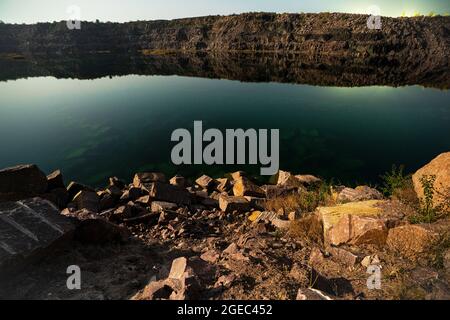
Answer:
(394, 181)
(428, 212)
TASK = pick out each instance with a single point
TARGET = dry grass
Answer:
(439, 250)
(304, 201)
(308, 228)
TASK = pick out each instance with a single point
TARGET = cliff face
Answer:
(423, 42)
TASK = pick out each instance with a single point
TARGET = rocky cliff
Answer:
(422, 42)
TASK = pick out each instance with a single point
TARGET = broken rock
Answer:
(244, 187)
(358, 230)
(28, 228)
(411, 240)
(55, 180)
(169, 193)
(330, 216)
(159, 206)
(230, 204)
(22, 181)
(74, 188)
(92, 229)
(440, 168)
(223, 185)
(87, 200)
(361, 193)
(311, 294)
(205, 182)
(211, 256)
(143, 179)
(343, 256)
(178, 181)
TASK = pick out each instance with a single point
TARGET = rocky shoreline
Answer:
(225, 238)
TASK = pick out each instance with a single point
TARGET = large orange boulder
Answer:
(440, 168)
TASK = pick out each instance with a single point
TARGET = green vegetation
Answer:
(395, 181)
(427, 211)
(439, 251)
(304, 201)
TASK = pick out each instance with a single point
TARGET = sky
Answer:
(32, 11)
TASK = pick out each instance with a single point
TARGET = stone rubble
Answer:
(222, 231)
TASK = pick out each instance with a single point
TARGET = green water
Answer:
(93, 129)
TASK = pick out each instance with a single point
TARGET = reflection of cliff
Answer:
(251, 67)
(341, 47)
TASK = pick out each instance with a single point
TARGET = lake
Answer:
(115, 126)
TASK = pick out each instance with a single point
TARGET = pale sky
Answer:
(32, 11)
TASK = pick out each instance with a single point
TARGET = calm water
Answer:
(93, 129)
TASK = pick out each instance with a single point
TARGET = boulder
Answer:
(181, 284)
(211, 256)
(330, 216)
(107, 201)
(116, 182)
(316, 257)
(74, 188)
(222, 185)
(343, 256)
(281, 224)
(58, 196)
(412, 240)
(92, 229)
(155, 290)
(145, 201)
(28, 228)
(132, 194)
(357, 230)
(273, 192)
(361, 193)
(55, 180)
(87, 200)
(308, 180)
(178, 181)
(287, 179)
(115, 192)
(20, 182)
(205, 182)
(311, 294)
(143, 179)
(230, 204)
(440, 168)
(256, 203)
(159, 206)
(210, 203)
(238, 175)
(244, 187)
(169, 193)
